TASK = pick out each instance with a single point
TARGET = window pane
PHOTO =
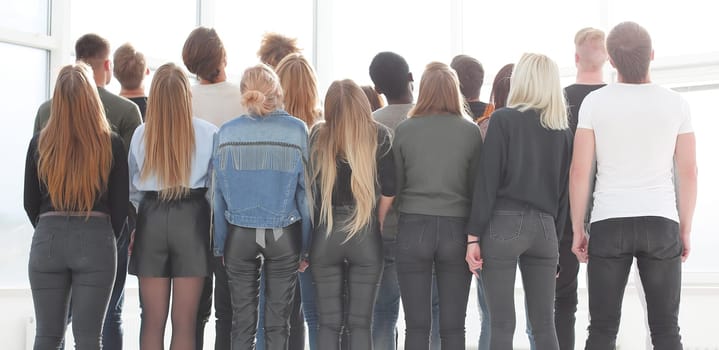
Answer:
(25, 15)
(704, 237)
(156, 28)
(19, 109)
(498, 32)
(241, 24)
(677, 28)
(417, 30)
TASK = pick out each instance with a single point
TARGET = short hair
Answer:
(439, 93)
(471, 75)
(204, 53)
(390, 74)
(92, 49)
(535, 85)
(630, 48)
(261, 90)
(129, 66)
(274, 47)
(590, 47)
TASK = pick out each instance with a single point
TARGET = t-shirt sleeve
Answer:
(585, 113)
(686, 119)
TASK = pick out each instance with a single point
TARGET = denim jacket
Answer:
(260, 175)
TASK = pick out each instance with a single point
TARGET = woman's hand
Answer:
(304, 264)
(132, 243)
(580, 245)
(474, 255)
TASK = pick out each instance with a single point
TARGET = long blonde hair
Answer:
(169, 133)
(75, 148)
(349, 134)
(299, 85)
(261, 90)
(439, 92)
(535, 85)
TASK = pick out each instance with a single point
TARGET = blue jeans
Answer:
(386, 308)
(112, 328)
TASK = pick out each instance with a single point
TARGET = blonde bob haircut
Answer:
(299, 84)
(76, 141)
(169, 132)
(535, 85)
(439, 93)
(261, 90)
(349, 133)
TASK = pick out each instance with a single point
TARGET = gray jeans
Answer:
(520, 234)
(71, 255)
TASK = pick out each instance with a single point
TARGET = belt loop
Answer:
(260, 237)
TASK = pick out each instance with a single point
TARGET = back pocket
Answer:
(505, 225)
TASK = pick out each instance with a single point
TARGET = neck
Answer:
(646, 80)
(220, 78)
(99, 81)
(130, 93)
(403, 100)
(590, 78)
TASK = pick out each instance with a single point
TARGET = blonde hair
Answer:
(274, 47)
(590, 47)
(261, 90)
(348, 133)
(439, 92)
(169, 132)
(535, 85)
(129, 66)
(299, 85)
(75, 147)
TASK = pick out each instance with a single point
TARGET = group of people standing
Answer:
(331, 214)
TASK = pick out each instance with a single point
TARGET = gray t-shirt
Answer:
(391, 115)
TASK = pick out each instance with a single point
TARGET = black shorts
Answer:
(172, 238)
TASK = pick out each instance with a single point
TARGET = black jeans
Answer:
(243, 263)
(440, 241)
(76, 256)
(223, 307)
(613, 245)
(364, 258)
(518, 233)
(565, 300)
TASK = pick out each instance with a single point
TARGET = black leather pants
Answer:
(243, 262)
(364, 258)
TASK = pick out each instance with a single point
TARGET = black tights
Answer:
(155, 298)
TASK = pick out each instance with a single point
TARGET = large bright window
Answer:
(241, 24)
(704, 228)
(22, 91)
(420, 31)
(156, 28)
(26, 16)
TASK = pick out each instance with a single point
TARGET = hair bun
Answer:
(253, 99)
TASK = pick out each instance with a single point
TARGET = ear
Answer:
(410, 77)
(147, 71)
(107, 65)
(576, 59)
(651, 56)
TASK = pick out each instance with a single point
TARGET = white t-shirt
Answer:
(635, 129)
(217, 103)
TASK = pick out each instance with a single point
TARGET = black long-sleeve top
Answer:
(522, 161)
(113, 201)
(386, 181)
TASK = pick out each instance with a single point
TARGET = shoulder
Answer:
(117, 104)
(203, 126)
